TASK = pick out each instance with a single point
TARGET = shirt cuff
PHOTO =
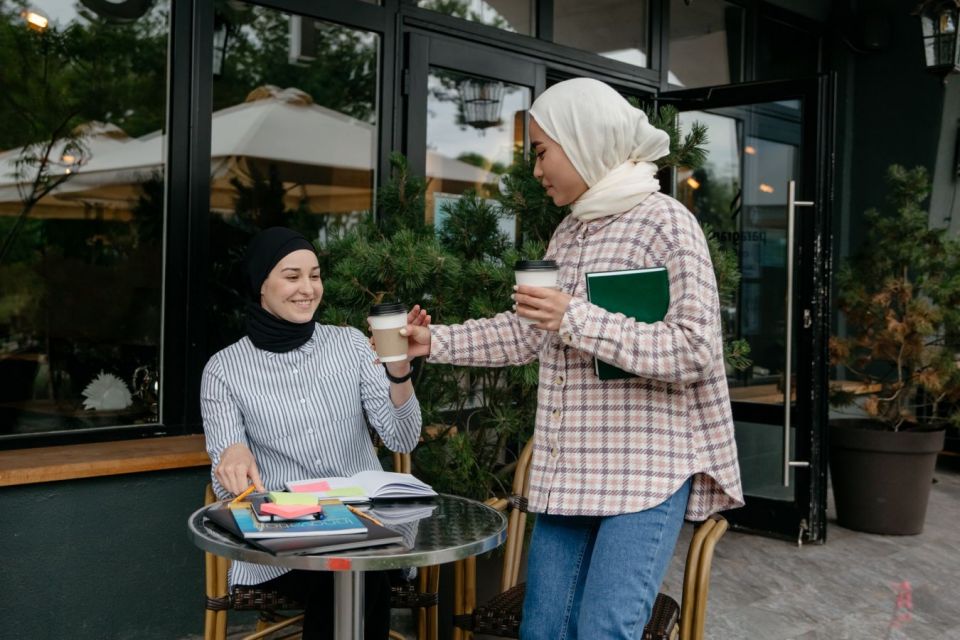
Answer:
(577, 328)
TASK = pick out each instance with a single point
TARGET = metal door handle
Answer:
(792, 204)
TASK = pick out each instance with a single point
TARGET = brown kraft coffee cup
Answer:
(385, 321)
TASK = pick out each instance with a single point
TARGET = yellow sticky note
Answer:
(283, 497)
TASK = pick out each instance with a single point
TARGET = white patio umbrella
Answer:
(95, 139)
(325, 160)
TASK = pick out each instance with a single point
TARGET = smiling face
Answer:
(554, 169)
(293, 289)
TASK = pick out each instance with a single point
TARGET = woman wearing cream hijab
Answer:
(617, 464)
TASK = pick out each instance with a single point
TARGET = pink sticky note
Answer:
(322, 485)
(289, 510)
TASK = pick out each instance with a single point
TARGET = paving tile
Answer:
(845, 589)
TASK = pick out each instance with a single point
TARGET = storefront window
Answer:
(706, 43)
(293, 140)
(81, 215)
(475, 128)
(615, 29)
(510, 15)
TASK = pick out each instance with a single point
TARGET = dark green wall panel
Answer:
(102, 558)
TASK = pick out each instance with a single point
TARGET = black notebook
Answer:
(374, 537)
(641, 294)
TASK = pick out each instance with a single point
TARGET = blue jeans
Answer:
(596, 577)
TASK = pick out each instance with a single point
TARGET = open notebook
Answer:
(365, 486)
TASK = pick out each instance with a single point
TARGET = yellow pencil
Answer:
(243, 494)
(364, 515)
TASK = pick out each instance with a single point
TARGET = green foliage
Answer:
(726, 267)
(471, 229)
(402, 200)
(901, 297)
(340, 73)
(523, 197)
(685, 151)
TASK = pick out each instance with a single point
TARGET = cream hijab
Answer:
(611, 144)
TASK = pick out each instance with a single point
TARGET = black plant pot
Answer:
(881, 478)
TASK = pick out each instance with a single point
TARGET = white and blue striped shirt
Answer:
(303, 413)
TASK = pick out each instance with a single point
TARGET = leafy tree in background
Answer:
(340, 73)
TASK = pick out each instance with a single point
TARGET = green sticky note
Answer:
(345, 492)
(284, 497)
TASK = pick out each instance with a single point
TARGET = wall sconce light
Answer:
(221, 38)
(481, 101)
(35, 19)
(938, 20)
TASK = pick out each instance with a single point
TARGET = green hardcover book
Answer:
(641, 294)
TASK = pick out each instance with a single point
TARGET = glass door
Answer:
(764, 193)
(466, 109)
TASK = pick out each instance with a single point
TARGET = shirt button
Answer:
(556, 412)
(318, 461)
(309, 431)
(554, 452)
(303, 400)
(567, 337)
(296, 370)
(559, 379)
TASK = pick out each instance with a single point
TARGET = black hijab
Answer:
(267, 331)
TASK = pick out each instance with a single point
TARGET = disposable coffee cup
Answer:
(536, 273)
(386, 320)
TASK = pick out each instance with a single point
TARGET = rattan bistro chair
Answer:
(421, 597)
(501, 616)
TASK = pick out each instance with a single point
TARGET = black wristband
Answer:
(394, 379)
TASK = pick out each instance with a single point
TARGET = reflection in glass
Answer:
(615, 29)
(293, 141)
(706, 43)
(741, 192)
(510, 15)
(756, 147)
(81, 216)
(469, 146)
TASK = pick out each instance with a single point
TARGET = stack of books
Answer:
(313, 518)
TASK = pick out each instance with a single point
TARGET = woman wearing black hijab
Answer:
(292, 400)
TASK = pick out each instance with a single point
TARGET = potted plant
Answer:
(899, 295)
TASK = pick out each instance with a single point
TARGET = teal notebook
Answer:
(641, 294)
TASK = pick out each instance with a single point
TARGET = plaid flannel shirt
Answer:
(621, 446)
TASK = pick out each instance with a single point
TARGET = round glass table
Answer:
(453, 529)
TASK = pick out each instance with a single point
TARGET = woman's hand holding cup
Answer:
(417, 332)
